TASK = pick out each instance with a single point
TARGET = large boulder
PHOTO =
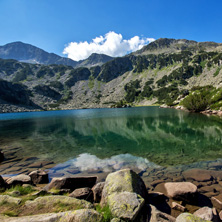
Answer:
(184, 191)
(39, 177)
(83, 215)
(187, 217)
(19, 180)
(71, 183)
(48, 201)
(205, 213)
(97, 191)
(121, 181)
(125, 205)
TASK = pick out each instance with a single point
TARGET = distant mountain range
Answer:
(31, 54)
(162, 72)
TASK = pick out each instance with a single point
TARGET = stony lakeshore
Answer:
(123, 196)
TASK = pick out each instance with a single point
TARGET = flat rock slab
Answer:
(9, 199)
(84, 215)
(71, 183)
(121, 181)
(125, 205)
(187, 217)
(179, 190)
(48, 201)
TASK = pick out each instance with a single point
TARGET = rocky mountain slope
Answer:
(31, 54)
(164, 71)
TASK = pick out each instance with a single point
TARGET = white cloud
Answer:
(111, 44)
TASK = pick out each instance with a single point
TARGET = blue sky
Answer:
(53, 24)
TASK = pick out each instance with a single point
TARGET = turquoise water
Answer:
(113, 138)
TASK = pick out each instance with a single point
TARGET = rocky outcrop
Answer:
(9, 199)
(82, 194)
(205, 213)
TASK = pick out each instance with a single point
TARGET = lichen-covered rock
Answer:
(19, 180)
(39, 177)
(97, 191)
(84, 215)
(71, 183)
(158, 216)
(187, 217)
(125, 205)
(48, 201)
(9, 199)
(121, 181)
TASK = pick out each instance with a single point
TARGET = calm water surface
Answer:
(105, 140)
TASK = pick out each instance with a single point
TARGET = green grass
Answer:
(20, 189)
(105, 211)
(217, 71)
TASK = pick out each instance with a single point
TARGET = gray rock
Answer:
(9, 199)
(187, 217)
(39, 177)
(19, 180)
(82, 193)
(116, 220)
(84, 215)
(123, 180)
(205, 213)
(48, 201)
(97, 191)
(125, 205)
(158, 216)
(71, 183)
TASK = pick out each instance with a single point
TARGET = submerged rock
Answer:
(125, 205)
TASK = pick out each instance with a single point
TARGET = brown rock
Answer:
(179, 190)
(83, 193)
(216, 203)
(156, 182)
(39, 177)
(207, 189)
(71, 183)
(97, 191)
(35, 165)
(198, 175)
(178, 207)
